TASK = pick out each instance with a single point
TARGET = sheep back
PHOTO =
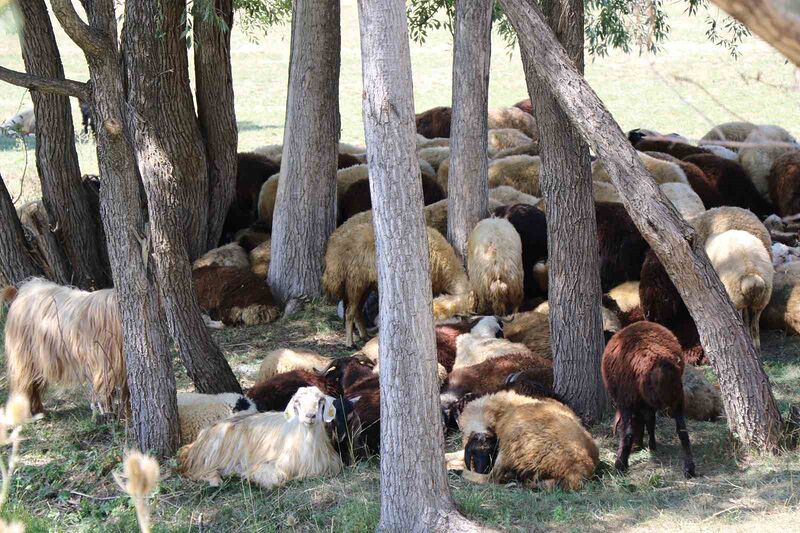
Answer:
(234, 295)
(758, 158)
(494, 266)
(784, 183)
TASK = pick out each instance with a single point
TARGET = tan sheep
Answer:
(701, 399)
(513, 117)
(370, 351)
(532, 329)
(273, 151)
(604, 191)
(626, 295)
(434, 155)
(505, 139)
(197, 411)
(260, 257)
(507, 195)
(230, 255)
(757, 160)
(286, 359)
(783, 310)
(518, 171)
(424, 142)
(719, 219)
(494, 266)
(266, 200)
(683, 197)
(531, 148)
(662, 171)
(728, 131)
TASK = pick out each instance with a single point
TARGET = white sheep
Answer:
(494, 266)
(285, 360)
(434, 155)
(197, 411)
(23, 123)
(484, 342)
(626, 295)
(267, 448)
(683, 197)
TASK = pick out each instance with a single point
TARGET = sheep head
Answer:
(480, 452)
(309, 406)
(488, 326)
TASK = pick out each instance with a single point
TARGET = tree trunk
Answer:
(212, 66)
(747, 396)
(56, 158)
(44, 244)
(16, 262)
(305, 209)
(576, 323)
(168, 151)
(414, 491)
(468, 189)
(150, 376)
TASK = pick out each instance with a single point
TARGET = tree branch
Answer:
(90, 40)
(779, 28)
(74, 88)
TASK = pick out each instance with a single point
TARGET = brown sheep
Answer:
(622, 247)
(435, 122)
(531, 225)
(512, 117)
(784, 183)
(675, 148)
(525, 105)
(727, 184)
(783, 310)
(234, 295)
(273, 394)
(357, 196)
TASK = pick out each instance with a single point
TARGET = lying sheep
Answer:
(715, 221)
(675, 148)
(23, 123)
(662, 171)
(274, 394)
(370, 352)
(603, 191)
(519, 171)
(531, 149)
(357, 197)
(537, 441)
(285, 359)
(784, 183)
(783, 310)
(197, 411)
(260, 258)
(626, 295)
(728, 132)
(484, 342)
(425, 142)
(268, 449)
(494, 266)
(764, 146)
(509, 196)
(266, 200)
(505, 139)
(622, 248)
(683, 197)
(434, 155)
(727, 184)
(229, 255)
(515, 118)
(235, 296)
(434, 122)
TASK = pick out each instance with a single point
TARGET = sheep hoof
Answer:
(688, 470)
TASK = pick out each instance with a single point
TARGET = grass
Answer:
(64, 482)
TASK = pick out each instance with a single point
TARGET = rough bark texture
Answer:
(468, 189)
(56, 159)
(150, 376)
(747, 396)
(414, 491)
(37, 83)
(305, 210)
(16, 262)
(214, 93)
(778, 27)
(574, 264)
(171, 162)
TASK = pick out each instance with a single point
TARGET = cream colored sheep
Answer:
(683, 197)
(504, 139)
(260, 257)
(662, 171)
(513, 117)
(494, 266)
(611, 322)
(481, 344)
(424, 142)
(273, 151)
(769, 143)
(286, 359)
(519, 171)
(532, 329)
(230, 255)
(266, 199)
(626, 295)
(197, 411)
(721, 219)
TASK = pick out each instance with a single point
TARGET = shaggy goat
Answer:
(531, 225)
(538, 441)
(784, 183)
(197, 411)
(60, 335)
(642, 370)
(234, 295)
(267, 448)
(285, 359)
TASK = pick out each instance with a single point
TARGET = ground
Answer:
(64, 481)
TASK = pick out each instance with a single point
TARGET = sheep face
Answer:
(309, 406)
(487, 327)
(480, 452)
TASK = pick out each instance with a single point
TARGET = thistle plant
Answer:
(139, 478)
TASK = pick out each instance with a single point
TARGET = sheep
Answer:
(275, 152)
(746, 271)
(531, 225)
(273, 394)
(531, 329)
(538, 441)
(370, 352)
(260, 258)
(484, 342)
(351, 149)
(266, 200)
(512, 117)
(425, 142)
(234, 296)
(434, 155)
(642, 370)
(252, 171)
(765, 144)
(701, 400)
(87, 118)
(519, 171)
(229, 255)
(494, 266)
(674, 148)
(722, 219)
(784, 183)
(56, 335)
(626, 295)
(286, 359)
(783, 255)
(197, 411)
(530, 148)
(253, 236)
(727, 184)
(622, 248)
(267, 448)
(662, 171)
(525, 105)
(508, 196)
(683, 197)
(350, 271)
(694, 174)
(727, 132)
(783, 310)
(357, 196)
(721, 151)
(506, 138)
(23, 123)
(434, 122)
(347, 160)
(636, 135)
(603, 191)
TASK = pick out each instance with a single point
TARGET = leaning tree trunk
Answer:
(576, 329)
(305, 209)
(170, 156)
(16, 262)
(468, 188)
(56, 158)
(414, 491)
(149, 365)
(749, 404)
(212, 67)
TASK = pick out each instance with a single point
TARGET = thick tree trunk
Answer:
(56, 158)
(171, 160)
(305, 210)
(16, 262)
(468, 189)
(747, 396)
(414, 491)
(212, 67)
(573, 258)
(150, 376)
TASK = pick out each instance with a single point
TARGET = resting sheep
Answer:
(512, 117)
(235, 296)
(622, 248)
(519, 171)
(197, 411)
(23, 123)
(765, 145)
(783, 310)
(662, 171)
(701, 399)
(273, 394)
(434, 155)
(229, 255)
(784, 183)
(508, 196)
(505, 139)
(434, 122)
(285, 359)
(260, 257)
(727, 184)
(729, 132)
(683, 197)
(494, 266)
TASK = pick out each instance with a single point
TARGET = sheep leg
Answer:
(349, 314)
(651, 429)
(638, 430)
(361, 324)
(625, 439)
(755, 317)
(683, 435)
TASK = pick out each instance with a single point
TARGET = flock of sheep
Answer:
(308, 414)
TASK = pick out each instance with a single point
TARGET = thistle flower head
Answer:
(17, 410)
(140, 474)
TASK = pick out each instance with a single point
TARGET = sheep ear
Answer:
(288, 413)
(330, 411)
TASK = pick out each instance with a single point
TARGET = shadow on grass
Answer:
(10, 143)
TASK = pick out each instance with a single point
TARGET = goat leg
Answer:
(683, 435)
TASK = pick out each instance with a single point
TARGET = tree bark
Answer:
(46, 85)
(305, 209)
(16, 262)
(576, 324)
(468, 189)
(215, 107)
(778, 27)
(149, 366)
(166, 141)
(56, 159)
(747, 396)
(44, 244)
(414, 491)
